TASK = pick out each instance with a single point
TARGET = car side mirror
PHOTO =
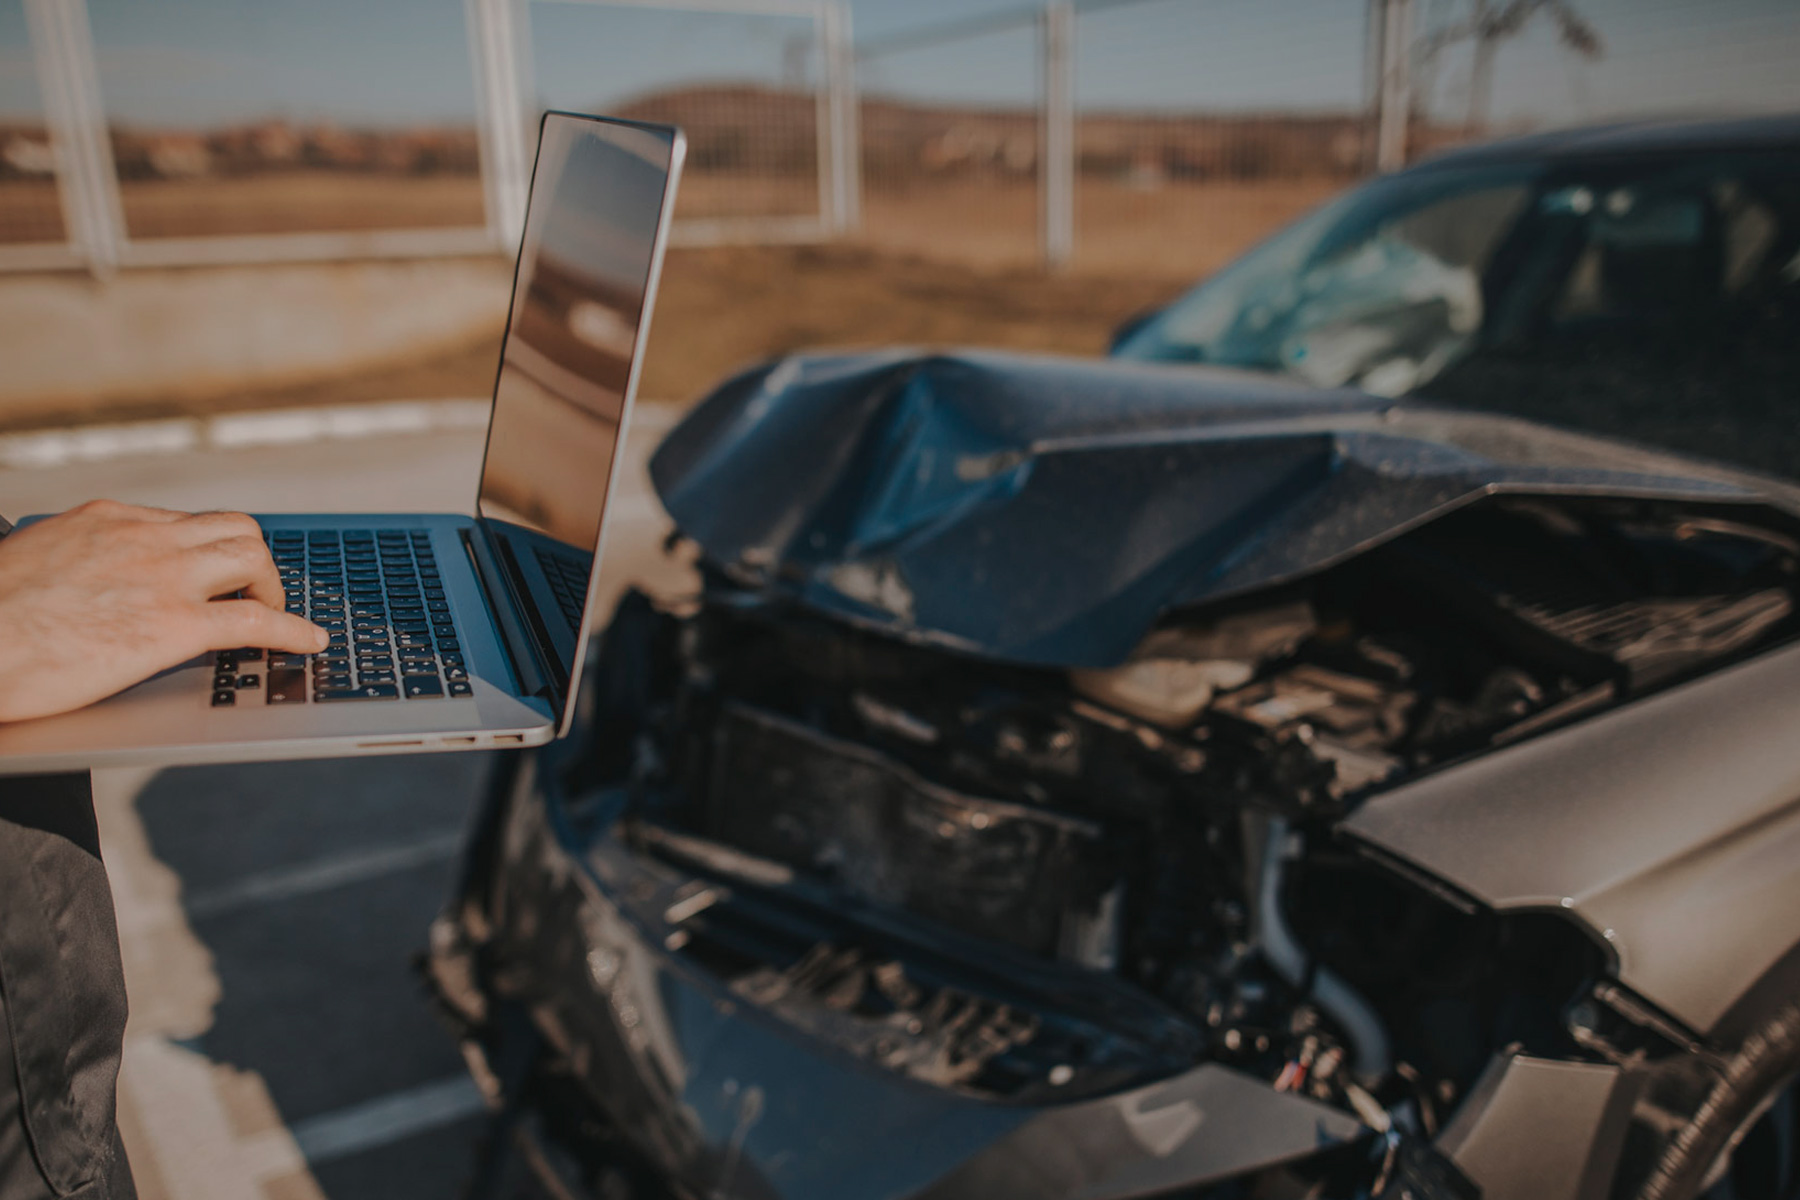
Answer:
(1129, 328)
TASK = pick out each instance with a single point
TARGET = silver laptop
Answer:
(448, 631)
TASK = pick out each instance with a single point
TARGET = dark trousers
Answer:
(62, 996)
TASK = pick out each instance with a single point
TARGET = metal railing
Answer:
(127, 199)
(1021, 155)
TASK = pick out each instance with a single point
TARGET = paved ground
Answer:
(280, 1047)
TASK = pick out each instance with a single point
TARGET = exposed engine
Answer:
(1026, 881)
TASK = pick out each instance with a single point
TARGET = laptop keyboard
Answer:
(378, 593)
(568, 579)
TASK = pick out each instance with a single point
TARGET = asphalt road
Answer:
(280, 1047)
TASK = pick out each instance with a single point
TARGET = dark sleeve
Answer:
(62, 995)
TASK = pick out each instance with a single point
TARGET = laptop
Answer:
(448, 631)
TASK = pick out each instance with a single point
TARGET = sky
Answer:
(210, 62)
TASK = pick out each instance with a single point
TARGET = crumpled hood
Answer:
(1049, 510)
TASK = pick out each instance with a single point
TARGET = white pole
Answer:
(1056, 166)
(843, 142)
(495, 31)
(88, 183)
(1396, 85)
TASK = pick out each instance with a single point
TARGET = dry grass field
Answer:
(29, 212)
(1174, 230)
(299, 202)
(721, 309)
(950, 260)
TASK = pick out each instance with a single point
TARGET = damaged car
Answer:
(1095, 780)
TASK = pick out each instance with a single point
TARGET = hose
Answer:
(1371, 1055)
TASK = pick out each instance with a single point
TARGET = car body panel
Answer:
(1542, 1127)
(733, 1103)
(1669, 826)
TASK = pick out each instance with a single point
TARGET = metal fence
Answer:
(1133, 137)
(425, 146)
(951, 131)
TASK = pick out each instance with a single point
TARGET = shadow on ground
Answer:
(312, 885)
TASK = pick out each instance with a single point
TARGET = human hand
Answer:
(106, 595)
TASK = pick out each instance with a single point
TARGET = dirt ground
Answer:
(29, 211)
(1173, 230)
(298, 202)
(723, 308)
(939, 262)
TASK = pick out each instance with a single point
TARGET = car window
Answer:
(1657, 301)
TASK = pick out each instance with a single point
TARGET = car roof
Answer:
(1659, 136)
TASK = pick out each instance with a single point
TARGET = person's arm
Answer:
(105, 595)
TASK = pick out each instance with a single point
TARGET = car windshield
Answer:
(1381, 287)
(1655, 298)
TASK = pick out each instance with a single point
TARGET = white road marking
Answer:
(323, 874)
(366, 1126)
(46, 448)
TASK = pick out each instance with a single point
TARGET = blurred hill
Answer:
(746, 127)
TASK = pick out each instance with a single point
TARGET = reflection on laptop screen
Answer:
(584, 270)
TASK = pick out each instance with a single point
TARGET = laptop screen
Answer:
(586, 269)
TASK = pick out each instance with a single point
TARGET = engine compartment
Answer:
(1025, 881)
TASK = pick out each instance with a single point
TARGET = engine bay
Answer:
(1027, 882)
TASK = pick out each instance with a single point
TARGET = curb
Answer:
(232, 431)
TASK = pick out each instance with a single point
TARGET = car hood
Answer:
(1050, 511)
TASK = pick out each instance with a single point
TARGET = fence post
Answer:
(494, 35)
(62, 45)
(842, 143)
(1394, 98)
(1056, 149)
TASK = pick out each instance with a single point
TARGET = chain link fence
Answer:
(1201, 125)
(1143, 138)
(284, 124)
(748, 87)
(30, 214)
(208, 132)
(950, 132)
(1490, 68)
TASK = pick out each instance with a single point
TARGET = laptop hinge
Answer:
(528, 663)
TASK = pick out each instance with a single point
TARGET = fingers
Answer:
(116, 510)
(233, 623)
(201, 528)
(236, 564)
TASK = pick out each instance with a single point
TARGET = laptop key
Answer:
(368, 691)
(287, 685)
(223, 698)
(460, 687)
(419, 686)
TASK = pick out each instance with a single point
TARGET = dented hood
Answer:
(1049, 511)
